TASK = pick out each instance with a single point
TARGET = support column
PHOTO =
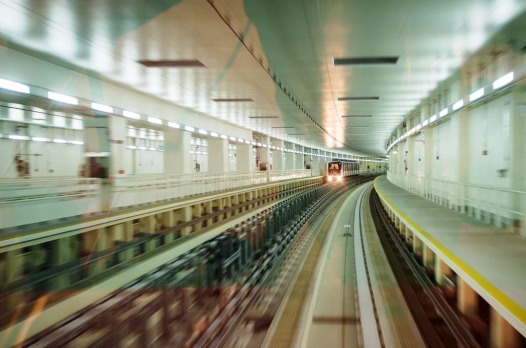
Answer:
(244, 157)
(278, 162)
(176, 153)
(442, 270)
(428, 257)
(264, 154)
(168, 222)
(11, 263)
(299, 162)
(289, 160)
(467, 299)
(217, 155)
(502, 334)
(517, 162)
(187, 216)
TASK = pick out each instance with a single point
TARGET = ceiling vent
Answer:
(184, 63)
(361, 61)
(357, 116)
(233, 100)
(358, 98)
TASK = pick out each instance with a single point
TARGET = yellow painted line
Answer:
(513, 307)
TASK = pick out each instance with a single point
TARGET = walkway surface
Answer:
(491, 260)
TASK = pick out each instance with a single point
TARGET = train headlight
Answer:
(339, 178)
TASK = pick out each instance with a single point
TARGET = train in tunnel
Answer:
(337, 170)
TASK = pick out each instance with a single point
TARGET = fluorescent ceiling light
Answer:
(202, 131)
(155, 120)
(443, 112)
(366, 61)
(233, 138)
(97, 154)
(152, 148)
(224, 136)
(39, 116)
(132, 115)
(102, 107)
(14, 86)
(18, 137)
(503, 81)
(214, 134)
(142, 147)
(62, 98)
(476, 95)
(189, 129)
(77, 142)
(425, 123)
(458, 104)
(59, 141)
(133, 147)
(39, 139)
(174, 125)
(432, 118)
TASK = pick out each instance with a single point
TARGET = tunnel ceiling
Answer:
(268, 65)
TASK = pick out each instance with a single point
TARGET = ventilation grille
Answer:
(185, 63)
(366, 61)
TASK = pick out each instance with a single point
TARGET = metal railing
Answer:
(500, 201)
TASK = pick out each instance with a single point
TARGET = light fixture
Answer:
(174, 125)
(39, 139)
(59, 141)
(233, 138)
(102, 107)
(425, 123)
(476, 95)
(155, 120)
(443, 112)
(189, 129)
(503, 81)
(432, 118)
(214, 134)
(202, 131)
(133, 147)
(224, 136)
(14, 86)
(130, 114)
(458, 105)
(77, 142)
(62, 98)
(18, 137)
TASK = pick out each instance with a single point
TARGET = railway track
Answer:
(197, 299)
(438, 323)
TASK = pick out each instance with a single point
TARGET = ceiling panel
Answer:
(277, 53)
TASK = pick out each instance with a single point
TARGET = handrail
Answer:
(495, 198)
